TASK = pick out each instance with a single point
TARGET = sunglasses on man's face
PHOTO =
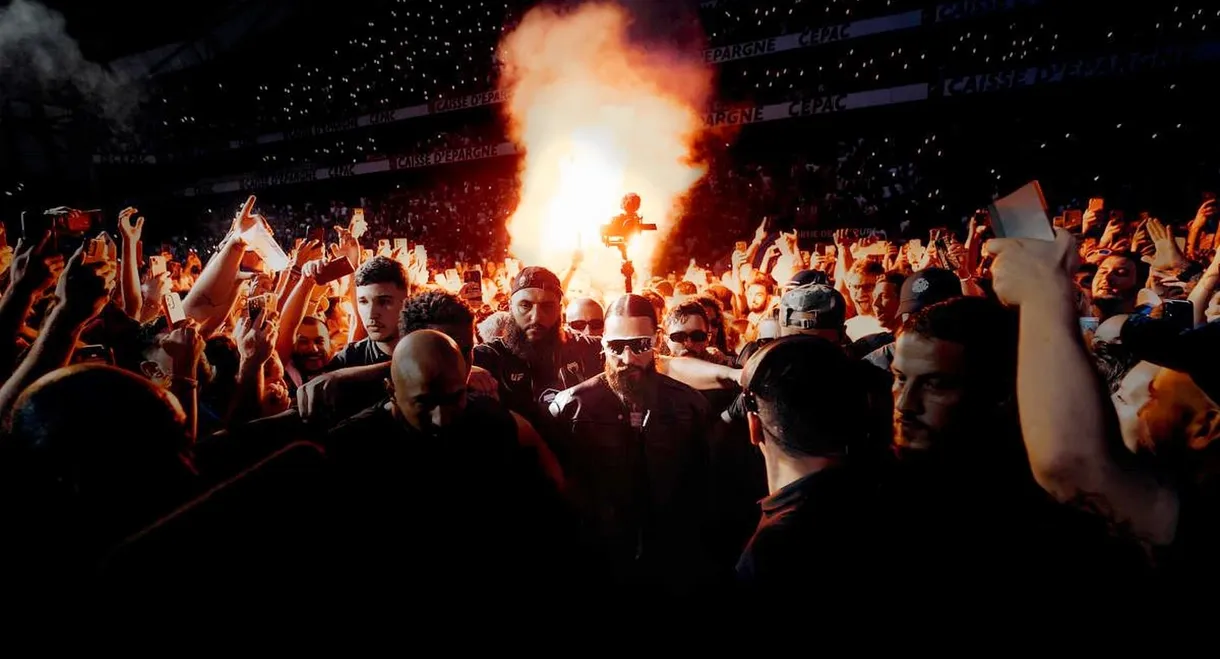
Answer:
(697, 336)
(638, 345)
(580, 325)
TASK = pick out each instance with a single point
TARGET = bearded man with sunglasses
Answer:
(636, 459)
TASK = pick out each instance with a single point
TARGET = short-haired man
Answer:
(804, 403)
(636, 457)
(357, 371)
(688, 333)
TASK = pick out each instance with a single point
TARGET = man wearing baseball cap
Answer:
(922, 289)
(539, 357)
(805, 278)
(812, 310)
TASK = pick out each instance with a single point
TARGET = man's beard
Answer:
(543, 347)
(634, 384)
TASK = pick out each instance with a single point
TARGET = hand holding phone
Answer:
(333, 269)
(94, 251)
(258, 306)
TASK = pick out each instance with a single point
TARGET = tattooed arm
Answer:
(1069, 426)
(1067, 421)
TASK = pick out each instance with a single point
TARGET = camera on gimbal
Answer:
(622, 228)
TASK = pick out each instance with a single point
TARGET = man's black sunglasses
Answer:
(638, 345)
(580, 325)
(697, 336)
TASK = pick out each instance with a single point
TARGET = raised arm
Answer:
(1066, 420)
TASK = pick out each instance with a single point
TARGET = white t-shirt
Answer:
(858, 327)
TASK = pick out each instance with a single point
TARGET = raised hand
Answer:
(310, 250)
(184, 345)
(1167, 254)
(83, 289)
(256, 339)
(348, 246)
(130, 231)
(31, 270)
(1028, 271)
(245, 217)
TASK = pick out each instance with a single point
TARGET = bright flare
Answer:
(597, 117)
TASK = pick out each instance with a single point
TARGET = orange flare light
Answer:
(597, 116)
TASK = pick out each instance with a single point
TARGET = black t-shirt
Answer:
(816, 532)
(361, 395)
(361, 353)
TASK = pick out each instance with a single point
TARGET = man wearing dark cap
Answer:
(927, 287)
(539, 357)
(818, 310)
(814, 310)
(922, 289)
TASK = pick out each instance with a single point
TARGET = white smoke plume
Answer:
(41, 63)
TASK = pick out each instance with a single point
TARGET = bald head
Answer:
(585, 316)
(427, 353)
(429, 380)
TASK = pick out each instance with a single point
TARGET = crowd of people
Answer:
(829, 382)
(877, 396)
